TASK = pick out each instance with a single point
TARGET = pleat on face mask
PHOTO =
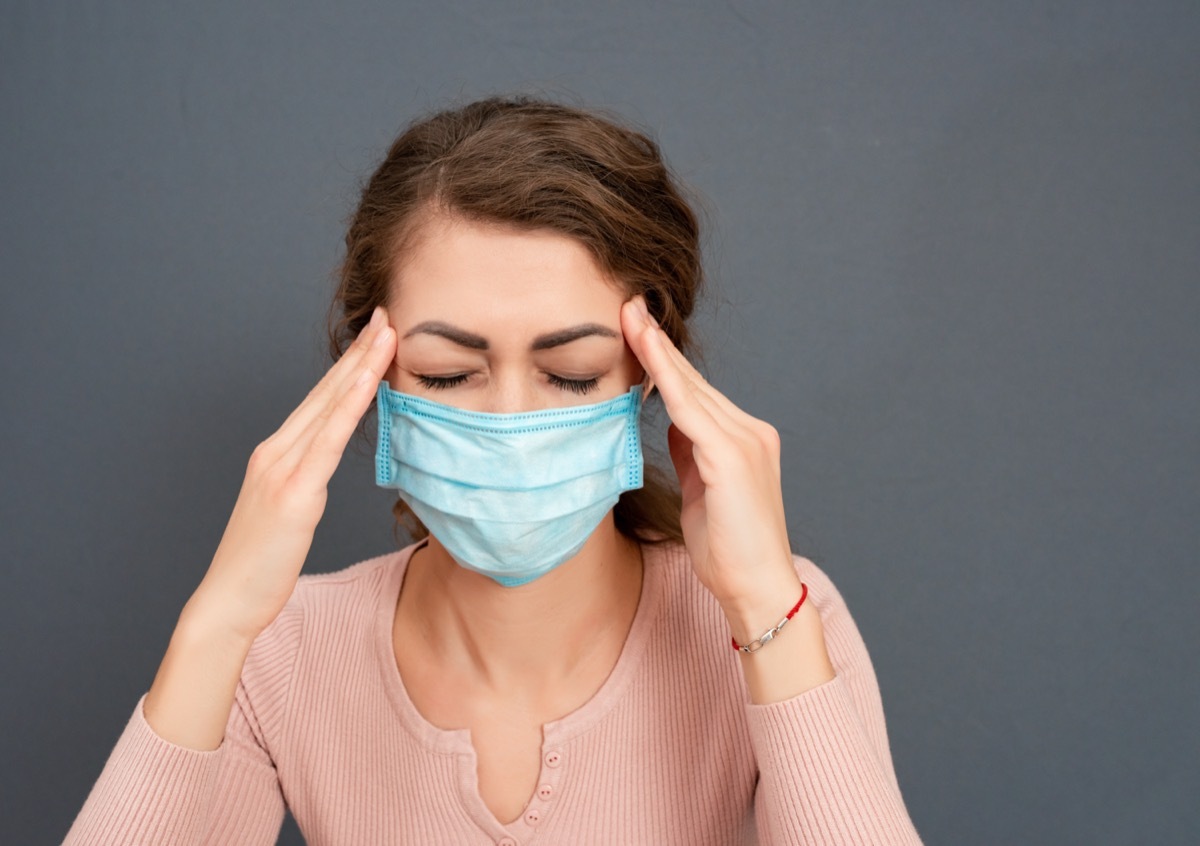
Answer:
(511, 496)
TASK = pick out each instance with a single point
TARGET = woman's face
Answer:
(497, 319)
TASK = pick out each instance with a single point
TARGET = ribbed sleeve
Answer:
(821, 781)
(826, 773)
(154, 792)
(150, 792)
(668, 750)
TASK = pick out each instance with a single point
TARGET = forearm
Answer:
(189, 702)
(816, 721)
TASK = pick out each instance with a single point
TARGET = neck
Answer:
(535, 635)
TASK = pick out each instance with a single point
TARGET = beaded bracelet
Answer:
(769, 635)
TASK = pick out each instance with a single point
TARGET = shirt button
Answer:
(532, 816)
(553, 759)
(506, 841)
(545, 791)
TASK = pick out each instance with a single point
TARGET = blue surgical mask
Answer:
(510, 496)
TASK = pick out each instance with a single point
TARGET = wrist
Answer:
(751, 615)
(205, 619)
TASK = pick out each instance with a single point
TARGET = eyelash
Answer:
(577, 386)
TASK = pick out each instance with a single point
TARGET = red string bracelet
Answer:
(769, 635)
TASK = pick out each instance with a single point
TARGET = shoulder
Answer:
(321, 593)
(326, 621)
(341, 601)
(822, 591)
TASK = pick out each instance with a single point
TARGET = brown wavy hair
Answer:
(535, 164)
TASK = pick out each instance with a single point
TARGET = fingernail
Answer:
(375, 315)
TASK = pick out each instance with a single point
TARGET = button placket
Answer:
(539, 807)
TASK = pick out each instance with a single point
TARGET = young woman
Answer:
(575, 649)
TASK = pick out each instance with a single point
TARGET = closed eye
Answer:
(576, 386)
(440, 382)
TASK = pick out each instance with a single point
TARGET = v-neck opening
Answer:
(555, 733)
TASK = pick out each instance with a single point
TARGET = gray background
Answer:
(954, 256)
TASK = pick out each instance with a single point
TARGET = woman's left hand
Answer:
(729, 475)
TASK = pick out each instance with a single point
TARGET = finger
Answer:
(640, 327)
(633, 327)
(728, 415)
(329, 433)
(701, 383)
(641, 316)
(749, 432)
(656, 351)
(714, 408)
(684, 406)
(334, 380)
(376, 356)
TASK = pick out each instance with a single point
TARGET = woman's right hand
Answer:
(285, 490)
(264, 546)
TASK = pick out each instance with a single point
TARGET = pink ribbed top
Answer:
(669, 750)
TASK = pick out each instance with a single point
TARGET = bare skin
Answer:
(263, 548)
(499, 661)
(472, 654)
(485, 661)
(458, 683)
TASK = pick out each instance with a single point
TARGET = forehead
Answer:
(492, 272)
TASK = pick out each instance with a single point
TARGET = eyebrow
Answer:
(542, 342)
